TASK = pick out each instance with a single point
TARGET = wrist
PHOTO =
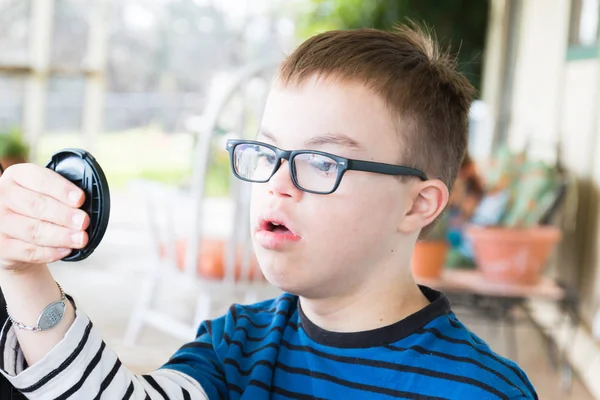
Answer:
(27, 293)
(24, 273)
(48, 319)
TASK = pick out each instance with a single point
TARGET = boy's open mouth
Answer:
(276, 232)
(275, 227)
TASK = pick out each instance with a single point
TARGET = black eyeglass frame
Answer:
(343, 165)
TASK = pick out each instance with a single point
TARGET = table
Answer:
(474, 282)
(496, 302)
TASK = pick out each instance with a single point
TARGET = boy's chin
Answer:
(282, 280)
(293, 273)
(286, 278)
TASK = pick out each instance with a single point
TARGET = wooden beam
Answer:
(42, 16)
(8, 69)
(25, 70)
(94, 63)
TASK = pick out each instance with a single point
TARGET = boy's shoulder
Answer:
(432, 345)
(266, 315)
(455, 345)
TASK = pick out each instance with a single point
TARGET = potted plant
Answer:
(441, 247)
(510, 238)
(513, 255)
(429, 255)
(13, 148)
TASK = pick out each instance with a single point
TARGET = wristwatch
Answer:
(49, 318)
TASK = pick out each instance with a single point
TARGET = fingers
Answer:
(39, 223)
(47, 182)
(18, 251)
(35, 205)
(41, 233)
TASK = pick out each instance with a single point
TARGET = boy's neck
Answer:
(370, 308)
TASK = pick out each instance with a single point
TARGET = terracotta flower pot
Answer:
(513, 255)
(211, 260)
(8, 161)
(429, 258)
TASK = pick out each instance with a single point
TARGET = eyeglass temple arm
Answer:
(387, 169)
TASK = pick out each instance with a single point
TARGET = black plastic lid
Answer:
(81, 168)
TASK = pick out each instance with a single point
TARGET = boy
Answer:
(362, 136)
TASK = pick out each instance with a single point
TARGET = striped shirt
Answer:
(272, 350)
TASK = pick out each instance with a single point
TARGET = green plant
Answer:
(458, 24)
(218, 174)
(519, 191)
(13, 145)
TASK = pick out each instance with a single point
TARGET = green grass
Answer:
(142, 154)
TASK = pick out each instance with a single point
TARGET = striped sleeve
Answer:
(81, 366)
(200, 360)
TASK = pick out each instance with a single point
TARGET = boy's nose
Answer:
(281, 183)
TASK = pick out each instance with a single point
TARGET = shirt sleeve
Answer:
(200, 359)
(81, 366)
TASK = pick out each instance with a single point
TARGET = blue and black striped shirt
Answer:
(272, 350)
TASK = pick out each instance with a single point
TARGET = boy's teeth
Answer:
(275, 223)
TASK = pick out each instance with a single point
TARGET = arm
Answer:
(81, 366)
(40, 221)
(26, 295)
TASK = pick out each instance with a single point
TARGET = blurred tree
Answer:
(458, 24)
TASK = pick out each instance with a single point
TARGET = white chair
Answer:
(175, 214)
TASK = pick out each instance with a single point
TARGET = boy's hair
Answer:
(419, 83)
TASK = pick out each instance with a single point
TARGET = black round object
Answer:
(81, 168)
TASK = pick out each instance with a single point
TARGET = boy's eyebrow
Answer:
(264, 132)
(330, 138)
(337, 139)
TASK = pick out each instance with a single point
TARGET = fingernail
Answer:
(78, 220)
(74, 196)
(77, 238)
(64, 251)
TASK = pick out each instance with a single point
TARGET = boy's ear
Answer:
(427, 200)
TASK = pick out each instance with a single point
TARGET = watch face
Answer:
(52, 315)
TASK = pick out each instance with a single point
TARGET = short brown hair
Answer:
(419, 83)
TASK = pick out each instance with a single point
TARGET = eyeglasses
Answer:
(311, 171)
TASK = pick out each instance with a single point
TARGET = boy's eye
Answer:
(266, 156)
(323, 164)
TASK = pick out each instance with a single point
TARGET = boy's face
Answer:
(338, 239)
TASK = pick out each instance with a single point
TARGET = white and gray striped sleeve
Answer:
(81, 366)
